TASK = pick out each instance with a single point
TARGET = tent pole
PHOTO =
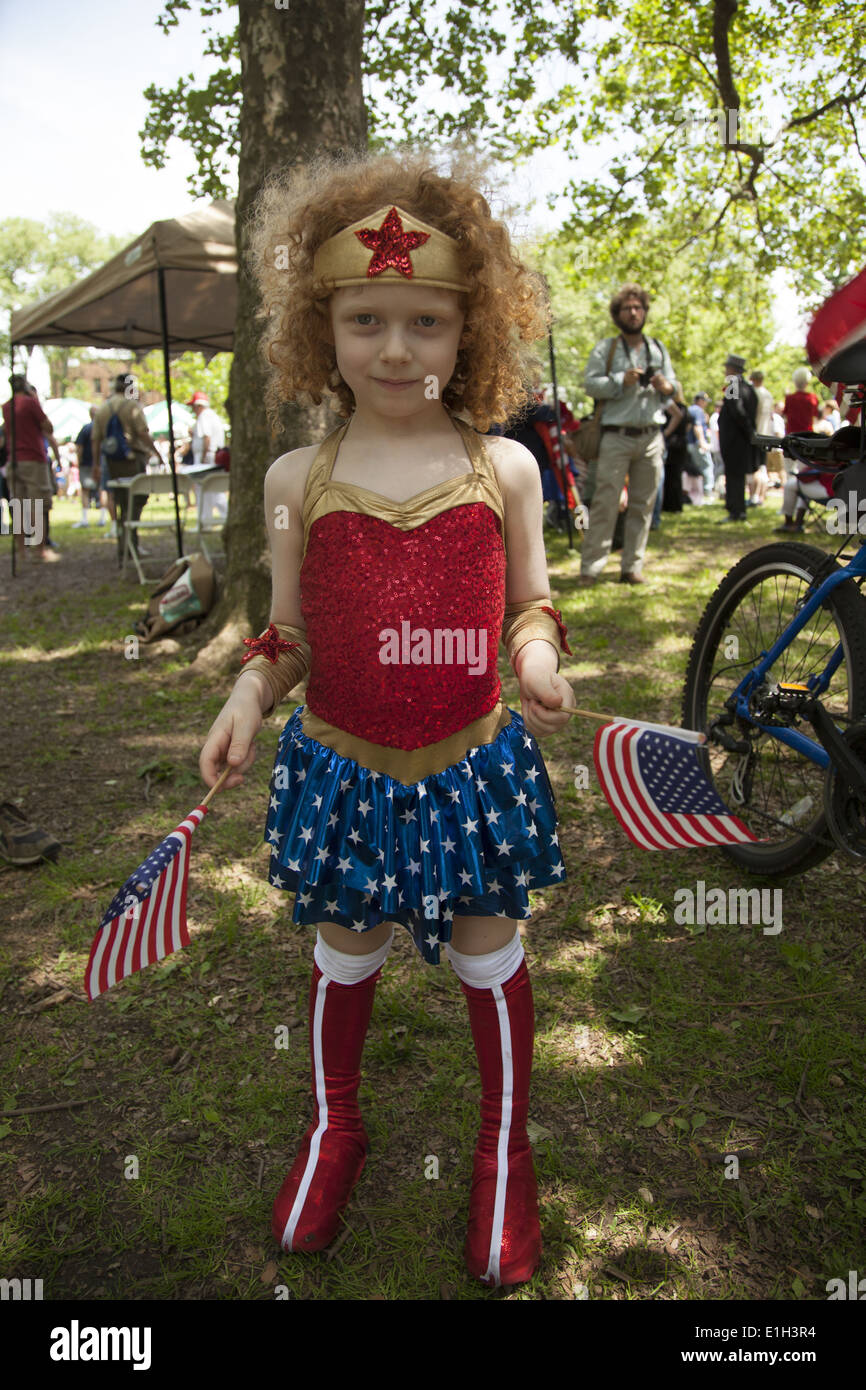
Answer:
(163, 318)
(10, 454)
(564, 461)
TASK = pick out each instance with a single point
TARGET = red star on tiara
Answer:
(391, 245)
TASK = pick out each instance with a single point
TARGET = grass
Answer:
(697, 1110)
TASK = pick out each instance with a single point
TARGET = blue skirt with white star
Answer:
(358, 848)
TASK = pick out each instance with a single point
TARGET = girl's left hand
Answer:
(542, 694)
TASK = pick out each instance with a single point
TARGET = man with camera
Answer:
(633, 376)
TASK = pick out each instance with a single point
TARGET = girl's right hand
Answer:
(232, 734)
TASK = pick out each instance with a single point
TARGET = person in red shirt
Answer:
(801, 406)
(29, 473)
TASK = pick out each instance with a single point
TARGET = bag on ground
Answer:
(183, 596)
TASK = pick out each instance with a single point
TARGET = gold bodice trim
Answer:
(408, 766)
(323, 494)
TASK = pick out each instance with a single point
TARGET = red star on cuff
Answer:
(557, 618)
(269, 644)
(391, 245)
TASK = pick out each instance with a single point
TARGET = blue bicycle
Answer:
(776, 677)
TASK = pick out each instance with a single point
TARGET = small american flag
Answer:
(658, 791)
(146, 919)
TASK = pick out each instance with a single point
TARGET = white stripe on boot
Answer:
(504, 1136)
(340, 968)
(490, 971)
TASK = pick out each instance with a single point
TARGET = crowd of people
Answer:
(656, 453)
(114, 445)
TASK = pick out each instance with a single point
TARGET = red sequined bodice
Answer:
(404, 624)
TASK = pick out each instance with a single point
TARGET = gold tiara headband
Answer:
(391, 247)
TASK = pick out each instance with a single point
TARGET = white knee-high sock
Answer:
(494, 968)
(345, 969)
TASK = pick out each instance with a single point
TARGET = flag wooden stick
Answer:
(590, 714)
(218, 784)
(689, 735)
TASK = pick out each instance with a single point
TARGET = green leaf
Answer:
(629, 1015)
(651, 1118)
(211, 1116)
(698, 1121)
(537, 1133)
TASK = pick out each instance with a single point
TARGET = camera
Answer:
(646, 376)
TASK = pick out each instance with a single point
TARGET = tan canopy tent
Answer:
(118, 306)
(174, 288)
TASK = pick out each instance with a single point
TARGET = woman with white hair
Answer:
(801, 406)
(802, 411)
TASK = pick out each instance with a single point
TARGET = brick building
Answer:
(99, 374)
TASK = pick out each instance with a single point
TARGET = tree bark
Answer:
(301, 95)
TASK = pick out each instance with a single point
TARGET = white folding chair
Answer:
(142, 485)
(212, 487)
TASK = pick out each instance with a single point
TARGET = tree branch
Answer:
(705, 231)
(843, 99)
(723, 14)
(695, 57)
(855, 133)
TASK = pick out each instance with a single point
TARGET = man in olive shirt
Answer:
(124, 404)
(634, 388)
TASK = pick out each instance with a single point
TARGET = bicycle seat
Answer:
(830, 450)
(848, 366)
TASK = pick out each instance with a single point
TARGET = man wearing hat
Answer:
(736, 423)
(208, 435)
(29, 475)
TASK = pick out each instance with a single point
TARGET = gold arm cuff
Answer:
(289, 669)
(525, 622)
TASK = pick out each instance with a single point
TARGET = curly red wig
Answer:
(300, 208)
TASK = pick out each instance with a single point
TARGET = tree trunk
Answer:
(302, 94)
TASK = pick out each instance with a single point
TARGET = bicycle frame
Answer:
(739, 700)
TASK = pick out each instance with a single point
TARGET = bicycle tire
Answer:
(790, 785)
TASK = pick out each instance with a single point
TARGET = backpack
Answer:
(184, 595)
(114, 445)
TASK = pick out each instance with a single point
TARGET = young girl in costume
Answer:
(402, 548)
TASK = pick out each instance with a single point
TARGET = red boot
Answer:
(503, 1242)
(334, 1150)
